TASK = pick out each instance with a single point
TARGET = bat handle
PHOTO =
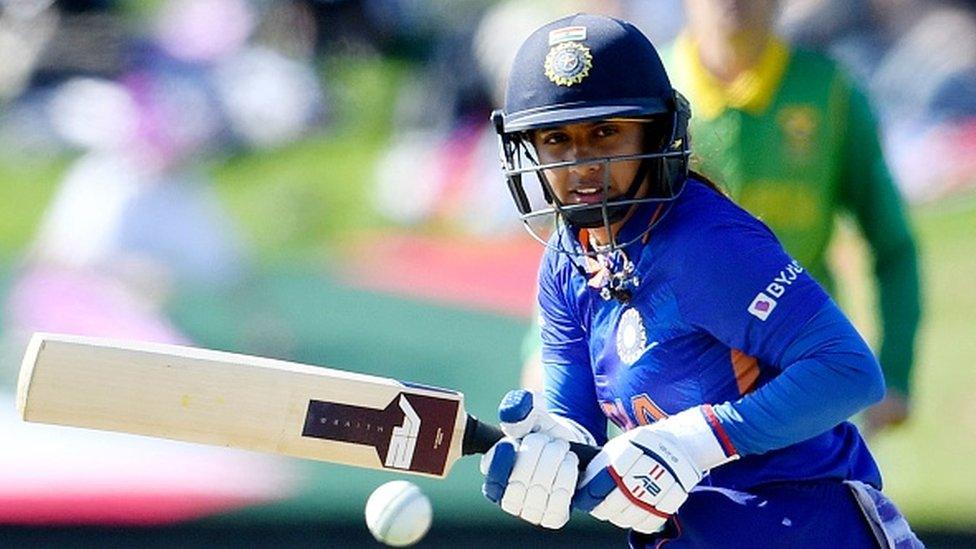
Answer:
(479, 437)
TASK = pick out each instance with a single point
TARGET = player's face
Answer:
(584, 183)
(731, 18)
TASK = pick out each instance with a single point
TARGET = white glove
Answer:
(642, 477)
(532, 473)
(520, 414)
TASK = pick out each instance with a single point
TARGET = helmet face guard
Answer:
(663, 169)
(586, 68)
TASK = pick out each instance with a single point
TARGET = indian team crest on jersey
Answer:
(568, 63)
(631, 337)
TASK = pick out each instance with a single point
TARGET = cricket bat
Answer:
(252, 403)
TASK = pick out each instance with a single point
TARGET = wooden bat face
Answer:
(241, 401)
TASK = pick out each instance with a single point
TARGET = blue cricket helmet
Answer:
(583, 68)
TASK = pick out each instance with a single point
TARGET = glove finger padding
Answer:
(630, 517)
(558, 508)
(532, 473)
(535, 481)
(526, 460)
(496, 465)
(542, 483)
(612, 506)
(650, 524)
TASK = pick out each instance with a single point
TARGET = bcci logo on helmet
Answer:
(568, 63)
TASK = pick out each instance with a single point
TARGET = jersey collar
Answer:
(636, 230)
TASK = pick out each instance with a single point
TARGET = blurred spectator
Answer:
(25, 29)
(90, 39)
(793, 141)
(452, 149)
(442, 129)
(132, 217)
(134, 220)
(267, 97)
(136, 216)
(917, 59)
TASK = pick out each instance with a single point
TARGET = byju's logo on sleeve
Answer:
(761, 306)
(765, 301)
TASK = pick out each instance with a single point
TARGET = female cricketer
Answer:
(677, 315)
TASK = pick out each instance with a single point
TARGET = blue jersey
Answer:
(717, 308)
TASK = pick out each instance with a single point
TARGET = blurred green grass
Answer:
(291, 202)
(25, 190)
(296, 203)
(298, 200)
(927, 464)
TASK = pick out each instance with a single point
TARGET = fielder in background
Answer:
(793, 142)
(677, 315)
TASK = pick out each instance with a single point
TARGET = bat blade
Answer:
(246, 402)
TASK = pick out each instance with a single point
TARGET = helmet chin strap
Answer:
(620, 281)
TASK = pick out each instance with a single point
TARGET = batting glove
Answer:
(520, 414)
(642, 477)
(532, 473)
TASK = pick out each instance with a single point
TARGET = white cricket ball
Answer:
(398, 513)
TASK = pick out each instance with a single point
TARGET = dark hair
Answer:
(709, 183)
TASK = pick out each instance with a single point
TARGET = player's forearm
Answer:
(900, 309)
(829, 375)
(570, 394)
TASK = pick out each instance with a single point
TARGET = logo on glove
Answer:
(647, 481)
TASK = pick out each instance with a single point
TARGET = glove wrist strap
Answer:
(702, 436)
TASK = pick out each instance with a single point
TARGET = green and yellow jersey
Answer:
(793, 142)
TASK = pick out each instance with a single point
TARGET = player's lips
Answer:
(587, 194)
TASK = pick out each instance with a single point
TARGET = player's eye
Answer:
(554, 138)
(606, 130)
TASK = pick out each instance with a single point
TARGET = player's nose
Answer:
(582, 156)
(586, 174)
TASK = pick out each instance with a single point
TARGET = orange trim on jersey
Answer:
(584, 234)
(746, 369)
(643, 407)
(584, 239)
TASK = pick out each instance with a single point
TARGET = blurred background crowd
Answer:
(316, 180)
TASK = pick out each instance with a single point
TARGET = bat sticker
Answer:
(412, 433)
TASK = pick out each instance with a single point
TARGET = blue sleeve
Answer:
(738, 284)
(735, 281)
(829, 374)
(569, 387)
